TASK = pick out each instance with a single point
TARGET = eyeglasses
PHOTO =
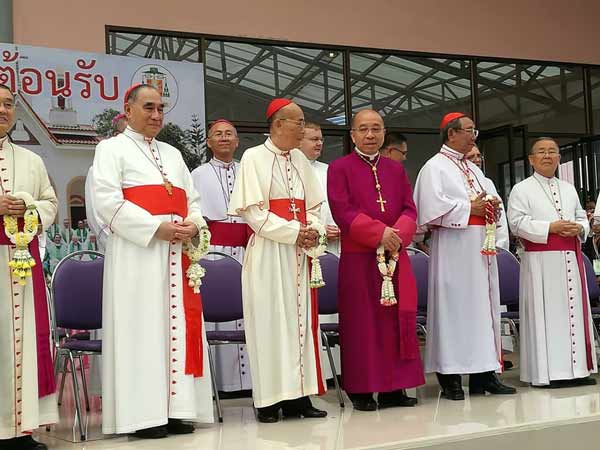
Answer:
(396, 149)
(473, 131)
(221, 135)
(365, 130)
(300, 123)
(546, 153)
(316, 139)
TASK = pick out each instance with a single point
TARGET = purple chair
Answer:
(508, 281)
(328, 299)
(419, 261)
(76, 291)
(221, 292)
(593, 291)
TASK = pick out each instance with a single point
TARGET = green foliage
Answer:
(103, 122)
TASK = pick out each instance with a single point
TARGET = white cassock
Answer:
(552, 317)
(24, 176)
(463, 306)
(320, 169)
(214, 181)
(282, 329)
(145, 321)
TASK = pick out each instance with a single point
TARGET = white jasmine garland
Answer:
(195, 272)
(316, 274)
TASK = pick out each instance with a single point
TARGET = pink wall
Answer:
(557, 30)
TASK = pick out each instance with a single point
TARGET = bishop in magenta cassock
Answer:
(155, 370)
(463, 304)
(215, 181)
(279, 197)
(27, 388)
(371, 201)
(556, 328)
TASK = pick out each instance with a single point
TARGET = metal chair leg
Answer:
(62, 380)
(76, 394)
(333, 369)
(84, 383)
(213, 377)
(515, 333)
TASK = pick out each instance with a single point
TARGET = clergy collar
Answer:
(451, 152)
(138, 137)
(273, 148)
(541, 177)
(365, 155)
(218, 163)
(3, 140)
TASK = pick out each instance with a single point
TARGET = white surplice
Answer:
(144, 329)
(24, 176)
(275, 276)
(551, 310)
(214, 181)
(463, 306)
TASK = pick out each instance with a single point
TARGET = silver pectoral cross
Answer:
(294, 210)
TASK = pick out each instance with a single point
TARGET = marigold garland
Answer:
(22, 262)
(195, 272)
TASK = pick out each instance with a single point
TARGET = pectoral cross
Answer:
(168, 186)
(294, 210)
(381, 202)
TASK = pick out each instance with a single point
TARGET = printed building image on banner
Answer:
(66, 102)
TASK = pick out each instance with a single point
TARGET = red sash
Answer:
(45, 371)
(283, 208)
(477, 220)
(558, 243)
(156, 200)
(229, 234)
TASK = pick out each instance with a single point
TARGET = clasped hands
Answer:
(171, 231)
(390, 240)
(565, 228)
(12, 206)
(307, 237)
(479, 203)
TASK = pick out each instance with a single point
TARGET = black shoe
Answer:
(301, 407)
(508, 365)
(152, 433)
(480, 383)
(268, 414)
(178, 426)
(451, 386)
(22, 443)
(363, 402)
(395, 398)
(587, 381)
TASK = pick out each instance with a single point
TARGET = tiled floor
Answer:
(433, 421)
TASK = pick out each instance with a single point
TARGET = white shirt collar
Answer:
(273, 148)
(365, 155)
(138, 137)
(451, 152)
(218, 163)
(541, 177)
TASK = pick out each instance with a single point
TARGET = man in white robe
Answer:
(155, 370)
(279, 196)
(463, 308)
(214, 181)
(557, 341)
(312, 147)
(502, 236)
(27, 387)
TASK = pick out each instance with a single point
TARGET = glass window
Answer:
(546, 98)
(154, 46)
(595, 92)
(241, 79)
(409, 92)
(421, 147)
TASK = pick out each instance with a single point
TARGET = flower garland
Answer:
(195, 272)
(387, 269)
(22, 261)
(489, 243)
(316, 274)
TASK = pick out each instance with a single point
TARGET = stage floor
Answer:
(562, 418)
